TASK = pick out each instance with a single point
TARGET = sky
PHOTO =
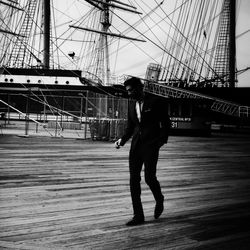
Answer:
(134, 57)
(132, 61)
(243, 42)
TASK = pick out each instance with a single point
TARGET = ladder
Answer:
(217, 105)
(221, 62)
(19, 51)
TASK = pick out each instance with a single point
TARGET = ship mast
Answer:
(104, 42)
(232, 44)
(46, 55)
(103, 61)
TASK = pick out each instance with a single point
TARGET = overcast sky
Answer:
(132, 62)
(243, 42)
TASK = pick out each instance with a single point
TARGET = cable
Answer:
(25, 116)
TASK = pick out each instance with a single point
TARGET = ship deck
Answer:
(74, 194)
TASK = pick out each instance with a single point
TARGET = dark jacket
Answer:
(154, 126)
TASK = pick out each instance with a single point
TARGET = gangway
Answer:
(218, 105)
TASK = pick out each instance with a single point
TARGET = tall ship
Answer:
(62, 63)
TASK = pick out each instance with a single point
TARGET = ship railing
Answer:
(244, 111)
(218, 105)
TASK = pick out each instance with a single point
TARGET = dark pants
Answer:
(148, 156)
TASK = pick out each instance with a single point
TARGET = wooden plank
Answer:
(72, 194)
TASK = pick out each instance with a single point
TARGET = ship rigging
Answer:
(192, 42)
(188, 44)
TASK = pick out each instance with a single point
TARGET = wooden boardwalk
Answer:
(74, 194)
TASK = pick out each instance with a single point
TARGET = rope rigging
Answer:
(187, 52)
(185, 57)
(193, 45)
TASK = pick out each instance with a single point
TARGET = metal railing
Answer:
(218, 105)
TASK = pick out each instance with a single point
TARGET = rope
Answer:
(25, 116)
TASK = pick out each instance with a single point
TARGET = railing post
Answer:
(27, 114)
